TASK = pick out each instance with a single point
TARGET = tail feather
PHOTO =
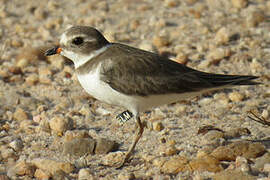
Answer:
(223, 80)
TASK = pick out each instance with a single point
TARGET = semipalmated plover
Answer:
(133, 78)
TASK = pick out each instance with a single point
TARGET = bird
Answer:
(134, 79)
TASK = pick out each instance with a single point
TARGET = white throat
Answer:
(79, 59)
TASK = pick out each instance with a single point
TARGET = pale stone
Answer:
(171, 3)
(239, 3)
(16, 145)
(79, 147)
(175, 165)
(266, 167)
(20, 115)
(113, 158)
(212, 137)
(237, 132)
(159, 161)
(223, 36)
(85, 174)
(7, 153)
(52, 166)
(236, 96)
(255, 18)
(205, 163)
(158, 126)
(41, 174)
(104, 146)
(60, 124)
(126, 176)
(45, 75)
(241, 148)
(22, 63)
(32, 79)
(233, 175)
(70, 135)
(161, 41)
(22, 168)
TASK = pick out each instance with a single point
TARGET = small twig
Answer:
(203, 130)
(258, 119)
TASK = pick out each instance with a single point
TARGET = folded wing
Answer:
(143, 73)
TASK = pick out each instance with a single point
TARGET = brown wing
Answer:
(138, 72)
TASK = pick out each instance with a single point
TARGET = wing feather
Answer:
(138, 72)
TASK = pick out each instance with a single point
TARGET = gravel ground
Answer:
(50, 128)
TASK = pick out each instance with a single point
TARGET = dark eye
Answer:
(77, 40)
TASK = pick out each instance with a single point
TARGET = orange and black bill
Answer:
(52, 51)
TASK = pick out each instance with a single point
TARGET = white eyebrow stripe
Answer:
(90, 40)
(64, 39)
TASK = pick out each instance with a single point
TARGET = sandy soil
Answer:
(42, 104)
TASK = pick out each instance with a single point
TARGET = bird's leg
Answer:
(140, 127)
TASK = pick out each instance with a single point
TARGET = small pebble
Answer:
(32, 79)
(175, 165)
(158, 162)
(22, 168)
(22, 63)
(239, 3)
(52, 165)
(171, 3)
(15, 70)
(40, 13)
(79, 147)
(56, 61)
(16, 43)
(126, 176)
(60, 124)
(59, 175)
(27, 126)
(255, 66)
(171, 150)
(42, 174)
(16, 145)
(161, 41)
(75, 134)
(239, 148)
(45, 75)
(236, 174)
(236, 96)
(222, 36)
(255, 18)
(146, 46)
(206, 163)
(181, 58)
(158, 126)
(85, 174)
(266, 168)
(242, 163)
(7, 153)
(265, 114)
(216, 55)
(20, 114)
(261, 161)
(113, 158)
(104, 146)
(212, 137)
(236, 132)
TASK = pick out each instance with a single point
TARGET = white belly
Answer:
(100, 90)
